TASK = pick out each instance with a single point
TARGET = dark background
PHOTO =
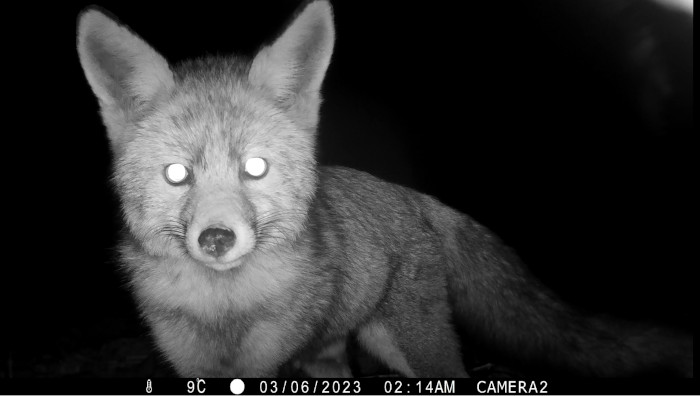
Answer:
(562, 126)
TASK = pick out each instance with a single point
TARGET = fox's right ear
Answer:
(124, 72)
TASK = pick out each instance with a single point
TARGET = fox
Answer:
(246, 256)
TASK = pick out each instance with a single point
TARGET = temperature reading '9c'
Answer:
(197, 385)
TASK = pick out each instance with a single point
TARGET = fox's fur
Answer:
(320, 253)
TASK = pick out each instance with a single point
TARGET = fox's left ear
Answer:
(293, 67)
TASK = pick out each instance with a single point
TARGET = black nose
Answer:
(216, 241)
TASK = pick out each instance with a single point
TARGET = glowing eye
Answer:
(256, 167)
(176, 173)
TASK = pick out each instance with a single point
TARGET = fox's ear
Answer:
(293, 66)
(124, 72)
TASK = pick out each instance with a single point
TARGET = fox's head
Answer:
(213, 158)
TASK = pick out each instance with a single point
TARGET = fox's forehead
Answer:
(214, 109)
(207, 106)
(208, 128)
(210, 109)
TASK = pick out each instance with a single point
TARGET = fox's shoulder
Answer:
(352, 193)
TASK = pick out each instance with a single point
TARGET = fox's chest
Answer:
(180, 284)
(231, 346)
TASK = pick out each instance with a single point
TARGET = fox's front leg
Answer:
(326, 361)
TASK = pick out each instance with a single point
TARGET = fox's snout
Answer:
(216, 241)
(220, 230)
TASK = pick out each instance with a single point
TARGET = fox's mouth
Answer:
(223, 266)
(223, 263)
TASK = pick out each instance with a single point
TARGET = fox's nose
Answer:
(216, 241)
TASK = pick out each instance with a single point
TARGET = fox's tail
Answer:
(499, 303)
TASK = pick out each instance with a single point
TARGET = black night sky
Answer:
(562, 126)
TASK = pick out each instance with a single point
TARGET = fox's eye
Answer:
(176, 174)
(256, 167)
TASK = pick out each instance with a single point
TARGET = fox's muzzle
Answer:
(220, 230)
